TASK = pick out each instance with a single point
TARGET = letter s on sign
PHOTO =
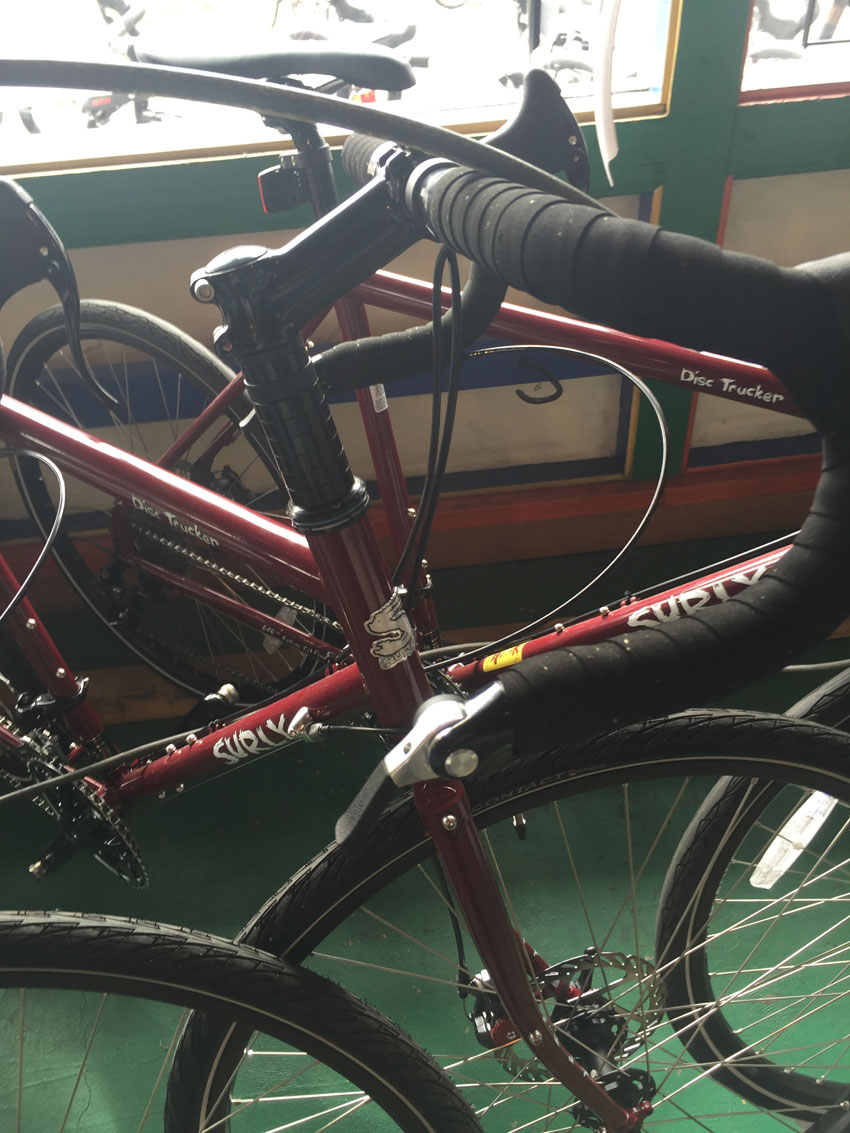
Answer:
(640, 618)
(220, 752)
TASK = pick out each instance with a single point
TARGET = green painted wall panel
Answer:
(791, 137)
(158, 202)
(705, 136)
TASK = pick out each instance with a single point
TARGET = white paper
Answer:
(603, 103)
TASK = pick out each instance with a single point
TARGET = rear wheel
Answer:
(163, 380)
(91, 1010)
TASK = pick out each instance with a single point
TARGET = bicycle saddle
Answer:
(374, 67)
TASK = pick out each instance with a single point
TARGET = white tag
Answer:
(379, 398)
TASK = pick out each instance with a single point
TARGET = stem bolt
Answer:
(449, 822)
(461, 763)
(203, 291)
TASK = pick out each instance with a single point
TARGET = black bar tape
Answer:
(369, 361)
(572, 694)
(357, 155)
(639, 279)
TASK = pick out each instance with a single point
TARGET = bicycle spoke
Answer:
(81, 1070)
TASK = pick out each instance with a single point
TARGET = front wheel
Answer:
(580, 842)
(91, 1010)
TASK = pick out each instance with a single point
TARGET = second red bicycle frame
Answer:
(215, 524)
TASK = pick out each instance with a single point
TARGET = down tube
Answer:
(253, 735)
(208, 521)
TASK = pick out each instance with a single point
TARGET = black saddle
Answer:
(373, 67)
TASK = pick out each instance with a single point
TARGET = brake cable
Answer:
(439, 444)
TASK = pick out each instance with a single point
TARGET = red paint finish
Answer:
(669, 605)
(733, 380)
(388, 471)
(45, 659)
(255, 733)
(216, 408)
(217, 600)
(446, 815)
(380, 636)
(203, 515)
(379, 434)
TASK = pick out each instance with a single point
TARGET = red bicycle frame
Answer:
(236, 532)
(344, 569)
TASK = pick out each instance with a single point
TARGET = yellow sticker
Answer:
(503, 659)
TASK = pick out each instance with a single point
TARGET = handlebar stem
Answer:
(265, 294)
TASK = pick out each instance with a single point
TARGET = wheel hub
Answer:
(599, 1030)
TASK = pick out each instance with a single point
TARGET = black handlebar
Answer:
(542, 131)
(640, 279)
(637, 278)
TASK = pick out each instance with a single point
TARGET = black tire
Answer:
(829, 703)
(50, 963)
(723, 823)
(155, 370)
(340, 915)
(707, 910)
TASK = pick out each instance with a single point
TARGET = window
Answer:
(469, 58)
(797, 48)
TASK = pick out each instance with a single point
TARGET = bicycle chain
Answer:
(225, 572)
(221, 670)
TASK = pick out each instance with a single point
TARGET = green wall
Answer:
(705, 137)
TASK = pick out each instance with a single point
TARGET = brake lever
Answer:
(436, 747)
(60, 274)
(30, 250)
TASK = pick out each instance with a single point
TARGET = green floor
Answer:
(217, 851)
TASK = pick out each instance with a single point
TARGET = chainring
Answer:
(87, 822)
